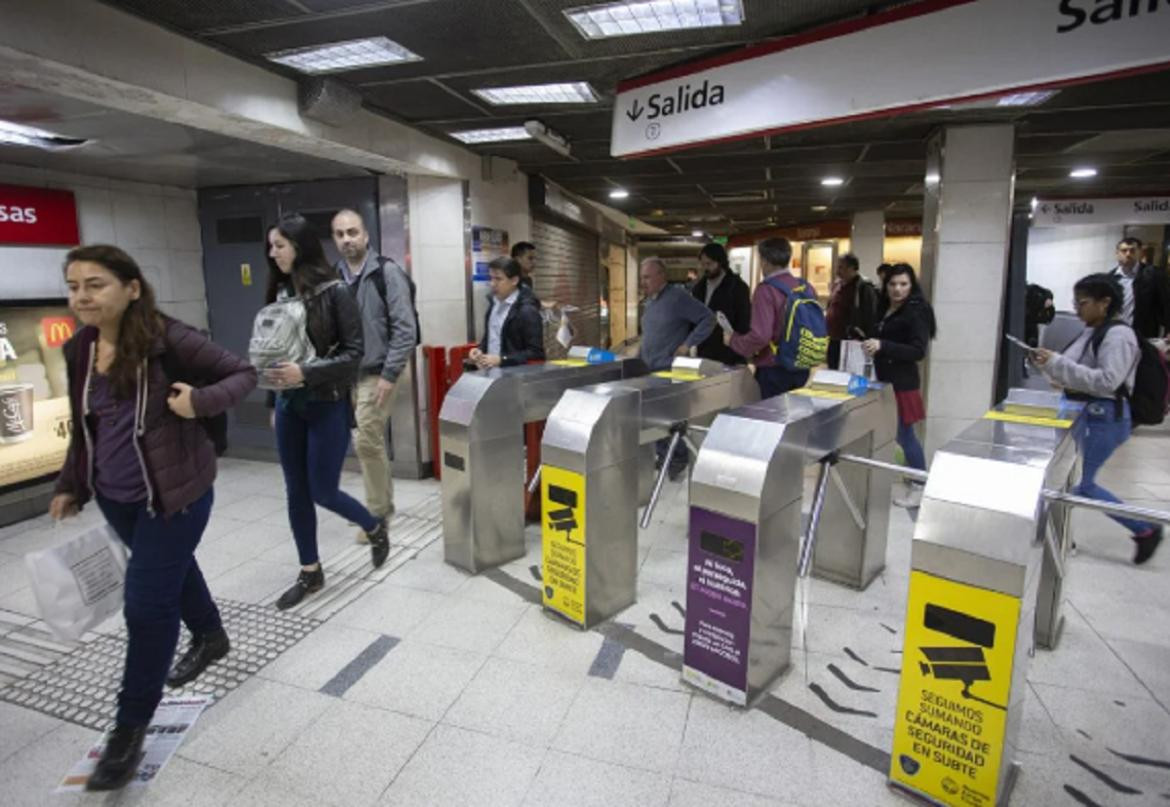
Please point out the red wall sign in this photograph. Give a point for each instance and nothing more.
(38, 216)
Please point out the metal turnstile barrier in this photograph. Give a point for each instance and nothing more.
(988, 564)
(595, 468)
(481, 439)
(746, 544)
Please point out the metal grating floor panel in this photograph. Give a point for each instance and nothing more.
(81, 686)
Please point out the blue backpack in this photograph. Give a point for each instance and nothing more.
(804, 334)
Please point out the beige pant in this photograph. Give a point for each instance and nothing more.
(369, 442)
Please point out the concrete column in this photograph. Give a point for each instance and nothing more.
(965, 237)
(867, 240)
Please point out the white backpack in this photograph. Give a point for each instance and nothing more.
(280, 334)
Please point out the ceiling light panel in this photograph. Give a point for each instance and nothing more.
(349, 55)
(492, 135)
(578, 92)
(633, 17)
(1025, 98)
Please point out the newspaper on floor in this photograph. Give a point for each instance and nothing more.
(172, 720)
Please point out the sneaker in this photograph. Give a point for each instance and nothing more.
(119, 759)
(1147, 544)
(911, 498)
(363, 537)
(202, 652)
(379, 539)
(307, 583)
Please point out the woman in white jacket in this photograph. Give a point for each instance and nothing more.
(1099, 368)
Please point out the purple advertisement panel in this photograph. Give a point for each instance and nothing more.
(720, 564)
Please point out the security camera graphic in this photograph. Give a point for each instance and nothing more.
(965, 664)
(562, 519)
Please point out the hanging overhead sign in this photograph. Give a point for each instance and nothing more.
(1136, 210)
(917, 56)
(37, 216)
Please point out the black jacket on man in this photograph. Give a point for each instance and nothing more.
(1151, 301)
(733, 297)
(522, 334)
(904, 334)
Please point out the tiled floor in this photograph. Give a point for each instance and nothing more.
(478, 698)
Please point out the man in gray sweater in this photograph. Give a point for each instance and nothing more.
(389, 329)
(673, 323)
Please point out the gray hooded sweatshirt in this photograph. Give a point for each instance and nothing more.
(1100, 373)
(388, 325)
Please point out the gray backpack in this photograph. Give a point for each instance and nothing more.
(280, 334)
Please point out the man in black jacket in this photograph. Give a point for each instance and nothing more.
(1147, 292)
(724, 292)
(513, 331)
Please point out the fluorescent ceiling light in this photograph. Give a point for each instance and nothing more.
(832, 182)
(932, 178)
(577, 92)
(619, 193)
(820, 208)
(348, 55)
(631, 17)
(1083, 173)
(696, 233)
(16, 134)
(1025, 98)
(492, 135)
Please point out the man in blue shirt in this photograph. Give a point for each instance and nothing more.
(673, 324)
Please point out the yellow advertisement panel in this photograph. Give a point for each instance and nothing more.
(954, 691)
(562, 531)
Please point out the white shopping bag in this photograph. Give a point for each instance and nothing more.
(853, 358)
(78, 584)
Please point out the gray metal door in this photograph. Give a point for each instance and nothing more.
(234, 223)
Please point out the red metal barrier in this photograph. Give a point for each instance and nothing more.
(444, 366)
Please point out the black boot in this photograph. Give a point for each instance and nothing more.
(119, 760)
(203, 650)
(1147, 543)
(307, 583)
(379, 543)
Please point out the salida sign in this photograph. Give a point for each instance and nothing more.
(1118, 210)
(37, 216)
(812, 79)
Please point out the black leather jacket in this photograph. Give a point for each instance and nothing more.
(335, 329)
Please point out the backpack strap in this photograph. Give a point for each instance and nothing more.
(1122, 393)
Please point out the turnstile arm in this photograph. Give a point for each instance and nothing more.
(804, 561)
(661, 480)
(534, 483)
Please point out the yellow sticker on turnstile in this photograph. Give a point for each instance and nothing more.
(679, 375)
(1029, 420)
(562, 542)
(567, 362)
(821, 393)
(956, 685)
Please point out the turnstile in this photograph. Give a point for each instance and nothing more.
(590, 460)
(980, 580)
(745, 529)
(481, 440)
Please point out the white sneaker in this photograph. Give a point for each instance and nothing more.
(911, 498)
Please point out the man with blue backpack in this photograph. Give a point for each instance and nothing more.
(788, 335)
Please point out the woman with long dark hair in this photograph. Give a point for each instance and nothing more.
(1099, 368)
(314, 416)
(139, 450)
(904, 330)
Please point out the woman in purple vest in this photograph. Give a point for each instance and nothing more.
(138, 449)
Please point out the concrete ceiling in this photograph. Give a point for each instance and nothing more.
(137, 148)
(1118, 126)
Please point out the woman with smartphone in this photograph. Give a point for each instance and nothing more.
(1099, 368)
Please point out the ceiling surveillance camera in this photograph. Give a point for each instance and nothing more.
(553, 140)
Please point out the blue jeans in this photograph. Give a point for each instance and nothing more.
(163, 585)
(312, 441)
(911, 448)
(775, 380)
(1104, 432)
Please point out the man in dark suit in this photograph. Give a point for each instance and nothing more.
(1147, 291)
(723, 291)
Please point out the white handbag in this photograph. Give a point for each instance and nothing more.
(854, 360)
(79, 584)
